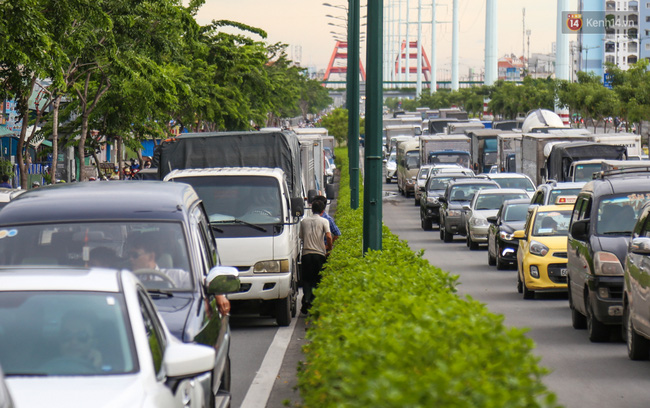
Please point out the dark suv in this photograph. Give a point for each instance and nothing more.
(457, 195)
(601, 225)
(430, 199)
(108, 224)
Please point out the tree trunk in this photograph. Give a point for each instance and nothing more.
(23, 108)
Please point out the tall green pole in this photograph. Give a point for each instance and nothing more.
(352, 100)
(372, 192)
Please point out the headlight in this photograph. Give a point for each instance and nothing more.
(537, 248)
(606, 263)
(432, 200)
(478, 222)
(506, 236)
(271, 266)
(454, 213)
(409, 182)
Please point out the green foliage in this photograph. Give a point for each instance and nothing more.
(388, 330)
(6, 168)
(336, 123)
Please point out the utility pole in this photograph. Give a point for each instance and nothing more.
(523, 32)
(372, 193)
(352, 100)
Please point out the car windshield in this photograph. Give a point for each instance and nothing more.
(515, 212)
(58, 333)
(253, 199)
(392, 158)
(515, 182)
(461, 159)
(424, 173)
(494, 201)
(412, 159)
(585, 172)
(617, 214)
(552, 223)
(465, 192)
(157, 251)
(555, 193)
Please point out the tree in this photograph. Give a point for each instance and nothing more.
(336, 123)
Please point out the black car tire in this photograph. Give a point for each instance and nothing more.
(472, 245)
(491, 260)
(501, 264)
(426, 224)
(520, 284)
(598, 332)
(638, 347)
(283, 311)
(447, 237)
(528, 294)
(442, 232)
(417, 202)
(226, 378)
(578, 320)
(387, 180)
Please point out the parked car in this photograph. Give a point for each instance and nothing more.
(603, 219)
(513, 180)
(430, 201)
(502, 247)
(94, 338)
(484, 204)
(421, 179)
(636, 304)
(547, 193)
(79, 224)
(457, 195)
(542, 251)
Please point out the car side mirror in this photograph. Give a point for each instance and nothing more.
(580, 229)
(521, 234)
(222, 279)
(385, 160)
(297, 206)
(640, 246)
(492, 219)
(442, 199)
(186, 359)
(467, 207)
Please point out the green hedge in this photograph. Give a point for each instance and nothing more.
(388, 330)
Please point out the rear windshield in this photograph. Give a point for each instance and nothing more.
(465, 192)
(522, 183)
(585, 172)
(552, 223)
(494, 201)
(554, 194)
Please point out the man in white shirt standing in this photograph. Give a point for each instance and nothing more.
(316, 243)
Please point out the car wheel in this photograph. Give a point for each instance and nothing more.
(283, 311)
(520, 284)
(294, 299)
(387, 180)
(447, 236)
(638, 347)
(442, 232)
(528, 294)
(578, 320)
(491, 260)
(226, 378)
(417, 202)
(598, 332)
(472, 245)
(501, 264)
(426, 224)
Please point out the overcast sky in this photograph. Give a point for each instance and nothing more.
(303, 24)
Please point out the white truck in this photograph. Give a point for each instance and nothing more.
(629, 140)
(444, 148)
(251, 186)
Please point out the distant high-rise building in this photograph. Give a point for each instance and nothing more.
(618, 43)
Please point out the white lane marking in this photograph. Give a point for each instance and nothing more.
(260, 390)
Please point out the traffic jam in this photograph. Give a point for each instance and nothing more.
(565, 208)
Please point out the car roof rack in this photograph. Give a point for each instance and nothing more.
(603, 174)
(551, 182)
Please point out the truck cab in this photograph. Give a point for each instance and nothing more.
(256, 223)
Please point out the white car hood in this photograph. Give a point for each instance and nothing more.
(114, 391)
(484, 213)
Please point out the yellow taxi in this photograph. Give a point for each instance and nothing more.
(542, 251)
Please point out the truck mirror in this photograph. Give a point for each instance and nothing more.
(330, 191)
(297, 206)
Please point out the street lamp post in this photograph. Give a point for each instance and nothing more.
(352, 98)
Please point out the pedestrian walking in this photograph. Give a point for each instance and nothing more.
(334, 229)
(316, 243)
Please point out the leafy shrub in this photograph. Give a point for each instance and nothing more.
(388, 330)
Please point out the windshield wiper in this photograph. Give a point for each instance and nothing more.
(160, 292)
(238, 221)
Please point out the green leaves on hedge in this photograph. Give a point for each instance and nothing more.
(388, 330)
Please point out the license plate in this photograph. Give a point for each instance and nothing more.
(563, 272)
